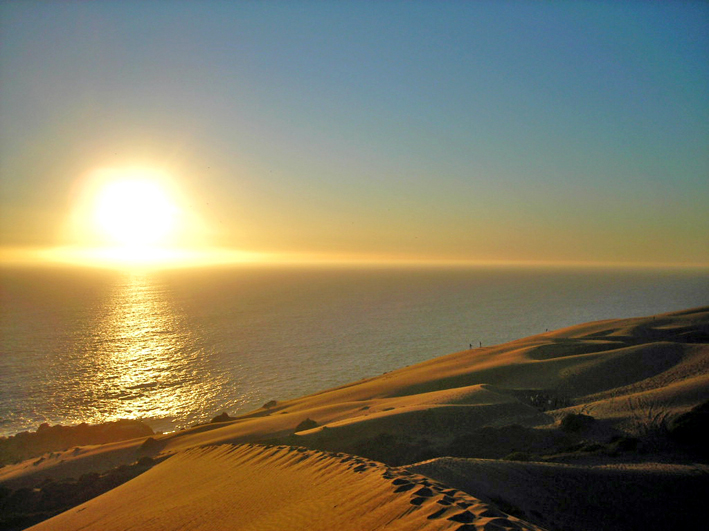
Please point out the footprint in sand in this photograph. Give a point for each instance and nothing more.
(439, 513)
(404, 488)
(465, 517)
(424, 492)
(446, 500)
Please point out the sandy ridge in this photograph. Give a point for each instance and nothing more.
(637, 496)
(254, 487)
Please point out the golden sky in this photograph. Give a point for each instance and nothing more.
(472, 132)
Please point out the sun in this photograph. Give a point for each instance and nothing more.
(135, 211)
(136, 217)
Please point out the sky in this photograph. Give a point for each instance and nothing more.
(477, 131)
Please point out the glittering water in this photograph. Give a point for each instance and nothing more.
(176, 347)
(147, 360)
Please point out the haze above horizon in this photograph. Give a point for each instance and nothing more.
(426, 132)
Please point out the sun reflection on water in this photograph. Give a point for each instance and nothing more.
(149, 364)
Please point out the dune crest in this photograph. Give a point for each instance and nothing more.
(253, 487)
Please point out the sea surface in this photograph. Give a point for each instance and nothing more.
(177, 347)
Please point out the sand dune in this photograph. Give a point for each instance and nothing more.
(645, 497)
(630, 378)
(260, 488)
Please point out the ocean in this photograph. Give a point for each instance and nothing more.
(176, 347)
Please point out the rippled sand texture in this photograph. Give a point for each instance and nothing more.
(252, 487)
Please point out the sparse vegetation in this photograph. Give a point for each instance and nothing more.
(576, 422)
(24, 507)
(307, 424)
(151, 446)
(48, 438)
(543, 400)
(650, 417)
(622, 443)
(691, 427)
(224, 417)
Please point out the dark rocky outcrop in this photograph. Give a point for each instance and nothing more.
(57, 438)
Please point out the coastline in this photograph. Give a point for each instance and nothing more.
(232, 339)
(627, 395)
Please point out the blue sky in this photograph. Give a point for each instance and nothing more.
(492, 131)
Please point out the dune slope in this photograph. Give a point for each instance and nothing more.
(251, 487)
(621, 403)
(640, 496)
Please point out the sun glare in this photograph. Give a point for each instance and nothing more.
(127, 216)
(135, 212)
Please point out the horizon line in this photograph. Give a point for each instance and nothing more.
(177, 258)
